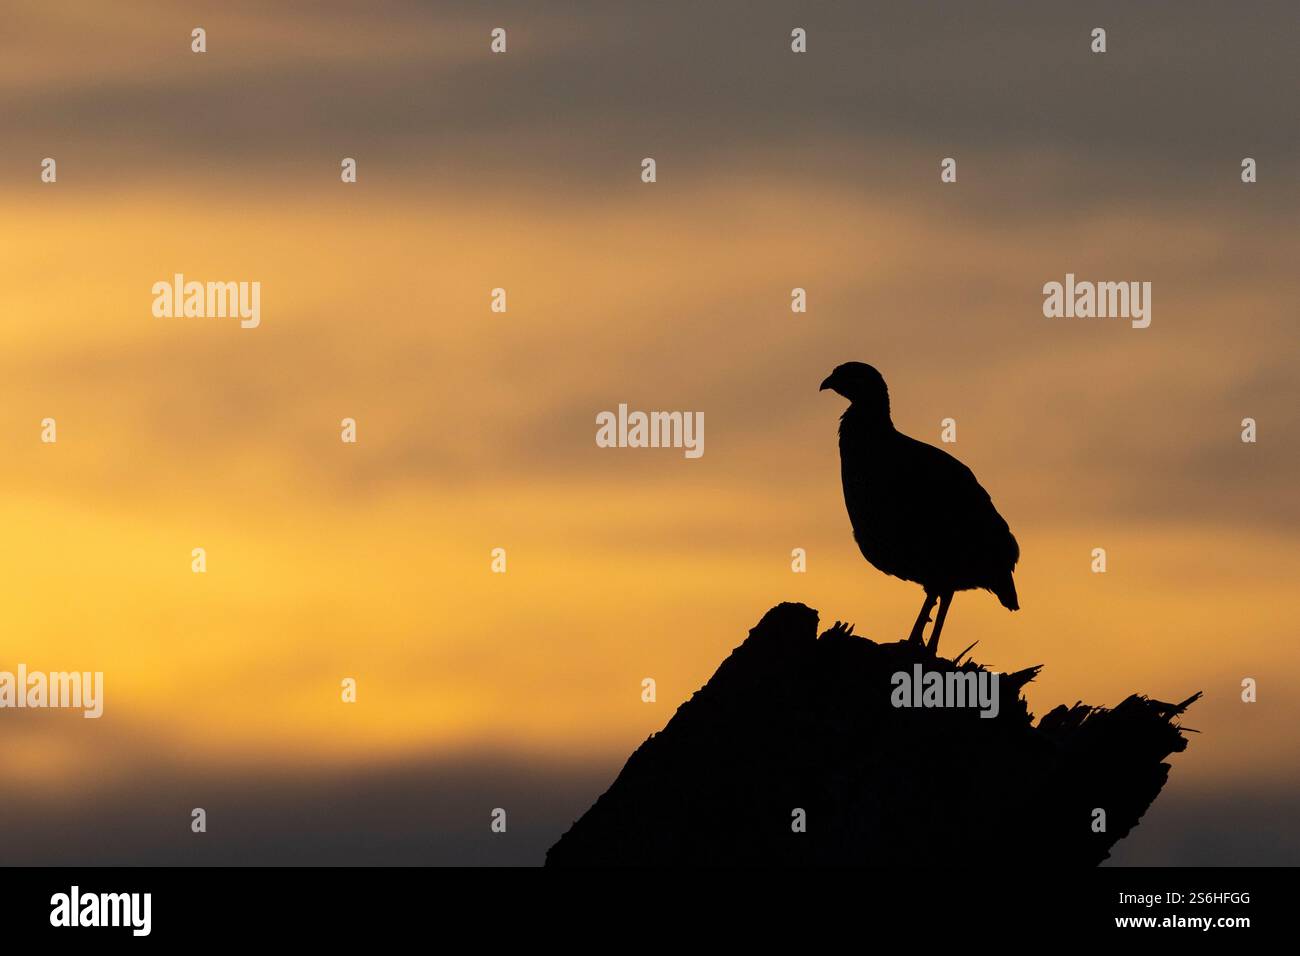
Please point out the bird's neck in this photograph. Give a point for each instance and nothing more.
(866, 421)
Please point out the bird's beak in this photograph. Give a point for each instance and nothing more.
(826, 383)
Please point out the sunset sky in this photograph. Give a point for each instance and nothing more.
(476, 430)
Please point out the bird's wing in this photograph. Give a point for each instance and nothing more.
(962, 511)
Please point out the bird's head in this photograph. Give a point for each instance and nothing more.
(861, 384)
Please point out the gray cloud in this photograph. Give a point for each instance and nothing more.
(1182, 94)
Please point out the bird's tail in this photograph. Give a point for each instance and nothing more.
(1006, 592)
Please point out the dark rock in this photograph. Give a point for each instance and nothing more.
(793, 721)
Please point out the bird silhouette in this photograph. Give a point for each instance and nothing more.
(917, 512)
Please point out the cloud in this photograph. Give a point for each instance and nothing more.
(411, 87)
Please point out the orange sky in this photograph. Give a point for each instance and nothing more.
(477, 430)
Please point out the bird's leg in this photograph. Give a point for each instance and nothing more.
(944, 600)
(923, 618)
